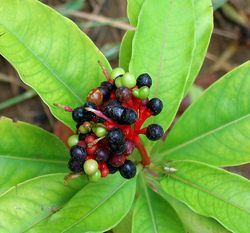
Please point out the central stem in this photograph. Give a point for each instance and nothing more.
(144, 154)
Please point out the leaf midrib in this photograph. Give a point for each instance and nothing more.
(33, 159)
(200, 137)
(149, 205)
(208, 192)
(94, 209)
(41, 61)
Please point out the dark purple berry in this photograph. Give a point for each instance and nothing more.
(154, 132)
(155, 105)
(144, 80)
(130, 146)
(128, 169)
(117, 160)
(123, 94)
(83, 136)
(78, 153)
(102, 154)
(75, 165)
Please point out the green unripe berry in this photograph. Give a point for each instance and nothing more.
(100, 131)
(95, 177)
(118, 82)
(128, 80)
(144, 92)
(136, 92)
(73, 140)
(117, 72)
(90, 167)
(83, 130)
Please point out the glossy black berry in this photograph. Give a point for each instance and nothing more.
(144, 80)
(128, 169)
(112, 170)
(116, 113)
(115, 136)
(108, 108)
(75, 165)
(80, 114)
(109, 85)
(117, 149)
(78, 153)
(154, 132)
(129, 117)
(155, 105)
(89, 114)
(105, 92)
(102, 154)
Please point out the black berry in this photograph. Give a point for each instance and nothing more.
(105, 92)
(115, 136)
(144, 80)
(154, 132)
(128, 169)
(117, 149)
(155, 105)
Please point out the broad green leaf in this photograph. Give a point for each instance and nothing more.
(204, 26)
(133, 11)
(126, 50)
(152, 213)
(30, 202)
(160, 49)
(27, 151)
(125, 226)
(96, 208)
(193, 223)
(212, 192)
(216, 128)
(50, 53)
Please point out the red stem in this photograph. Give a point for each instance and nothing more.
(144, 154)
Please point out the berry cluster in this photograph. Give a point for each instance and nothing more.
(109, 124)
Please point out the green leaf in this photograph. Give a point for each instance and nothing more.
(204, 27)
(125, 226)
(126, 50)
(50, 53)
(213, 192)
(215, 129)
(27, 151)
(193, 222)
(30, 202)
(96, 208)
(133, 11)
(160, 48)
(154, 214)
